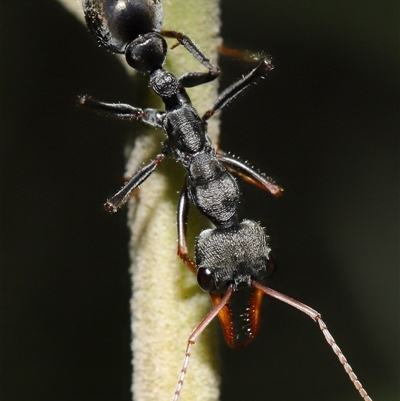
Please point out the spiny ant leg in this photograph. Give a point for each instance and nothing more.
(124, 111)
(118, 110)
(191, 79)
(120, 198)
(193, 49)
(316, 316)
(193, 338)
(242, 55)
(232, 91)
(250, 175)
(183, 212)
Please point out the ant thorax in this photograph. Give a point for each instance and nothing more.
(213, 191)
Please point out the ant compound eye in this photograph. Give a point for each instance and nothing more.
(206, 280)
(271, 264)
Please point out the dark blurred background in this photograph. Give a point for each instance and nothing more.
(325, 125)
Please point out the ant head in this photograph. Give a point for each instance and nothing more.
(164, 83)
(233, 256)
(116, 23)
(147, 53)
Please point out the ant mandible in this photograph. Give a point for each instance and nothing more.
(234, 257)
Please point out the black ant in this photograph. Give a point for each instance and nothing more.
(232, 260)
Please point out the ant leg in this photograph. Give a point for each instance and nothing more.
(250, 175)
(124, 111)
(317, 318)
(191, 79)
(195, 334)
(120, 198)
(183, 212)
(242, 55)
(232, 91)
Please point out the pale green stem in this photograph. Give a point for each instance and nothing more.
(166, 303)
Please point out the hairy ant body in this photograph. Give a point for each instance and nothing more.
(232, 260)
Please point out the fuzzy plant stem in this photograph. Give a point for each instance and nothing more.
(166, 302)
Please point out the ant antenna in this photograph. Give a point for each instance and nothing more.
(193, 338)
(316, 316)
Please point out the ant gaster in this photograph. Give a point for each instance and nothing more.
(232, 260)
